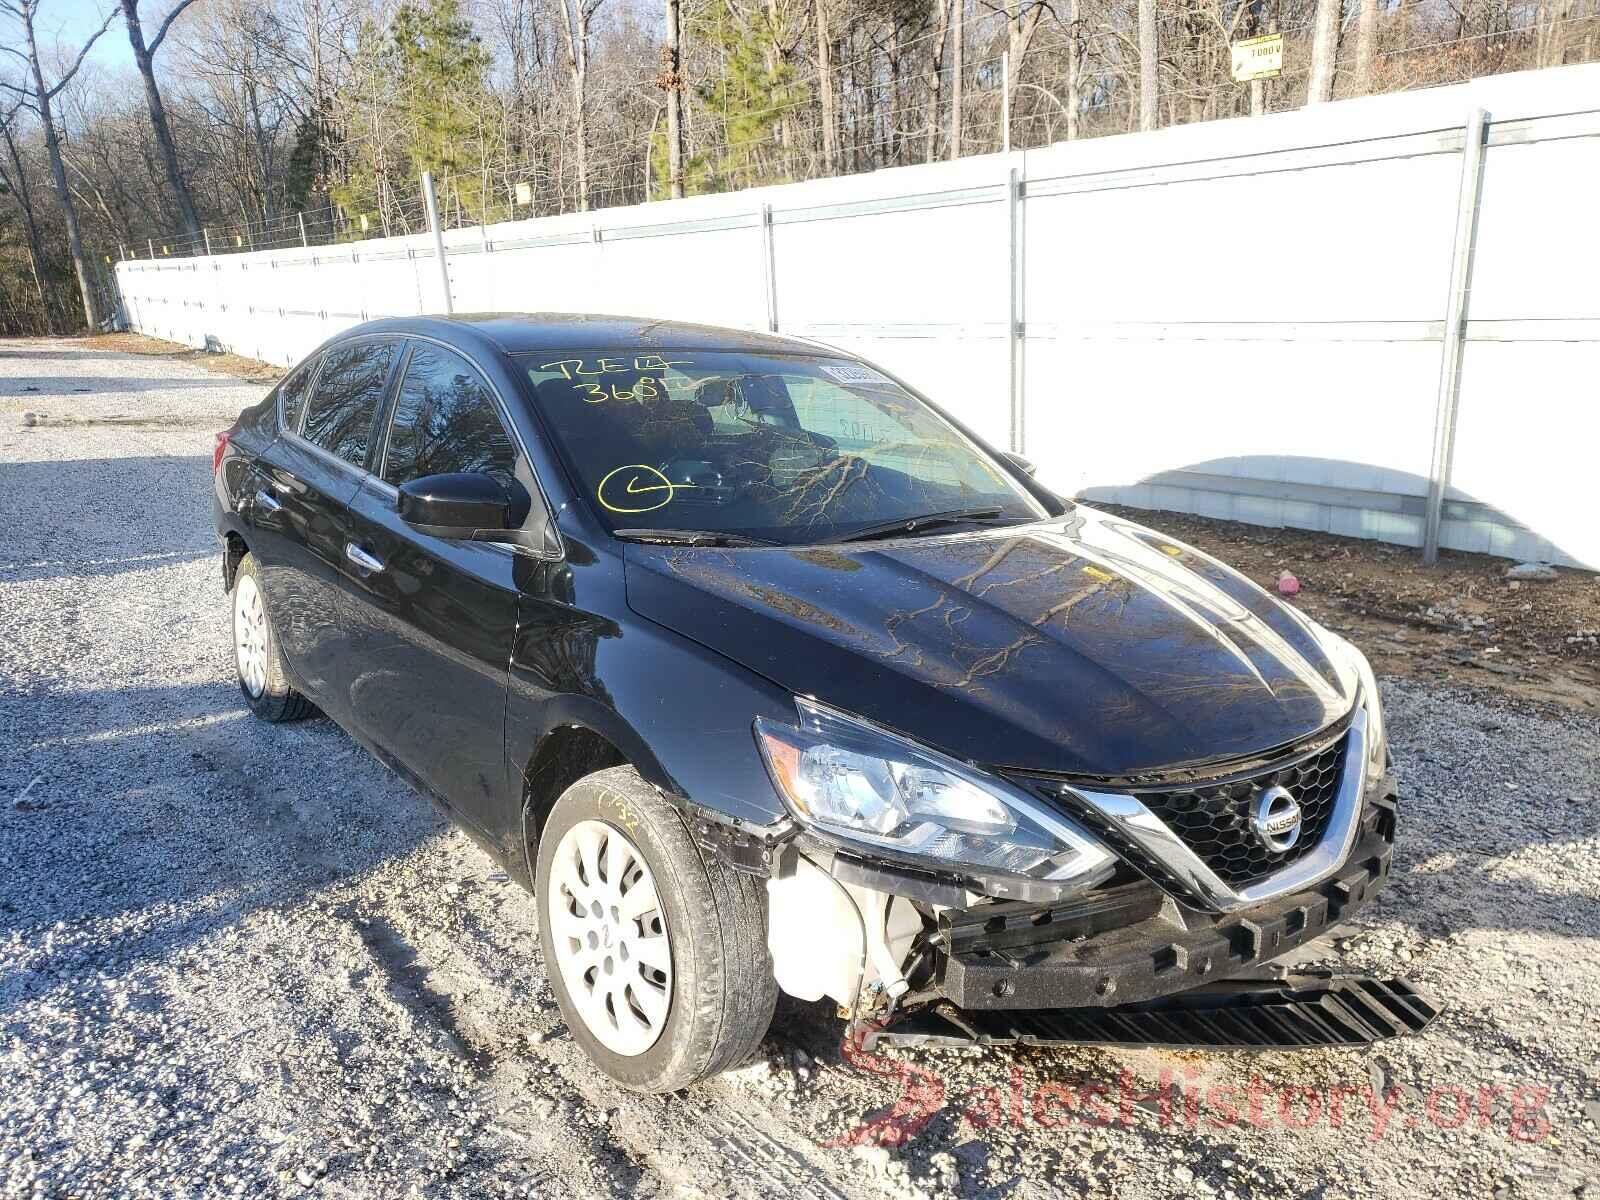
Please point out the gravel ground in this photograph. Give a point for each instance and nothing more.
(245, 960)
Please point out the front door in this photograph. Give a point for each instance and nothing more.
(435, 618)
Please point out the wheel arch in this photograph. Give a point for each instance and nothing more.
(564, 755)
(234, 548)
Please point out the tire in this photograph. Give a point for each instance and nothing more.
(718, 984)
(257, 658)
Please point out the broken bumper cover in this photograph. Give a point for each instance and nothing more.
(1123, 947)
(1294, 1012)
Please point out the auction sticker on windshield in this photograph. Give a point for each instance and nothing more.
(854, 373)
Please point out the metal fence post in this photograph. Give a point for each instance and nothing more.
(432, 203)
(1455, 329)
(1005, 102)
(206, 233)
(769, 268)
(1016, 326)
(301, 214)
(151, 242)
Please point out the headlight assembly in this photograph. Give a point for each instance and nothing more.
(860, 784)
(1377, 740)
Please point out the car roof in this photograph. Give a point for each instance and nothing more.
(517, 333)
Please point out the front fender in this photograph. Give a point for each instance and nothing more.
(679, 713)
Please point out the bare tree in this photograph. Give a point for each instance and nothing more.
(15, 182)
(957, 72)
(39, 96)
(825, 86)
(144, 58)
(671, 82)
(1022, 22)
(1366, 45)
(1149, 79)
(932, 81)
(1071, 62)
(1554, 16)
(1324, 51)
(577, 16)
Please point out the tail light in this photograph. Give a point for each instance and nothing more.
(219, 449)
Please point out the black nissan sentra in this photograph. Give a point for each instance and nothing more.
(762, 672)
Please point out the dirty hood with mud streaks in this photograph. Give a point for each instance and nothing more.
(1085, 644)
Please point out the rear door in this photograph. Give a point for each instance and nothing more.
(301, 508)
(436, 617)
(274, 538)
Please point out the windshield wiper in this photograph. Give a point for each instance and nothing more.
(954, 516)
(689, 537)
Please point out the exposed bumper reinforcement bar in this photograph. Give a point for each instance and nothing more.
(1145, 961)
(1295, 1012)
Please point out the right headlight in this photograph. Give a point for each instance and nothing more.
(1377, 736)
(844, 777)
(1377, 740)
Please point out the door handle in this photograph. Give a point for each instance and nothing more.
(361, 558)
(267, 500)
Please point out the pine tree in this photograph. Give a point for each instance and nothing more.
(748, 102)
(415, 108)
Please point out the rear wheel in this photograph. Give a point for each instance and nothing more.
(658, 957)
(256, 655)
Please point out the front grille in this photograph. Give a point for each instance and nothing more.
(1213, 819)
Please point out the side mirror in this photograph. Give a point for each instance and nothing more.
(1020, 463)
(469, 505)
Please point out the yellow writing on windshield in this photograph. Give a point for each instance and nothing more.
(572, 368)
(637, 489)
(643, 389)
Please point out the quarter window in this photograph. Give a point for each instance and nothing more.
(292, 394)
(346, 398)
(444, 421)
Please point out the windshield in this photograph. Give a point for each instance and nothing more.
(784, 448)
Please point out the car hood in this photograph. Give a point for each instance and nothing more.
(1084, 645)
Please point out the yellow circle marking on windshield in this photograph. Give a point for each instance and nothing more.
(641, 489)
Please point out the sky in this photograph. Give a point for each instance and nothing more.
(72, 21)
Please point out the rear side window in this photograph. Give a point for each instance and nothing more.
(444, 420)
(346, 398)
(292, 394)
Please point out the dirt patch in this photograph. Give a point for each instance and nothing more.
(234, 365)
(1461, 620)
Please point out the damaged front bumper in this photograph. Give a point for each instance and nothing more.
(1128, 966)
(915, 957)
(1132, 943)
(1136, 943)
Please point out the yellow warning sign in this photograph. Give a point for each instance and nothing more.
(1258, 58)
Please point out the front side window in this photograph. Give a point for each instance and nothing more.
(444, 421)
(292, 394)
(346, 398)
(787, 448)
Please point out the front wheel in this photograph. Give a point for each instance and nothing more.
(658, 957)
(256, 654)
